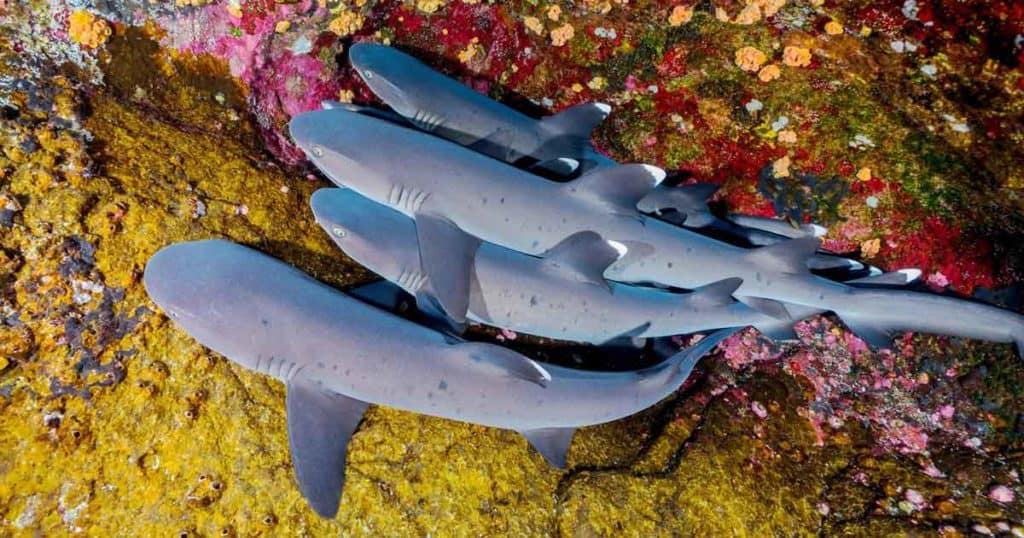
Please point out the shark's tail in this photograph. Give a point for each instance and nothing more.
(686, 359)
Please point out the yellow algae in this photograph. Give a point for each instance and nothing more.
(794, 56)
(769, 73)
(870, 248)
(346, 23)
(749, 15)
(864, 174)
(597, 83)
(429, 6)
(787, 136)
(554, 12)
(780, 168)
(833, 28)
(561, 35)
(87, 29)
(534, 25)
(750, 59)
(680, 15)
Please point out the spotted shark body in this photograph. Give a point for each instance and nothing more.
(501, 204)
(337, 355)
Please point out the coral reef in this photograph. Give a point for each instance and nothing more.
(125, 126)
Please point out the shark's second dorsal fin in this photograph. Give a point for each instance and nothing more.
(582, 257)
(618, 187)
(579, 120)
(500, 361)
(903, 277)
(714, 294)
(552, 443)
(686, 199)
(786, 257)
(320, 425)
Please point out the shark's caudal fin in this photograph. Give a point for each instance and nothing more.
(786, 257)
(582, 257)
(320, 425)
(690, 201)
(500, 362)
(579, 120)
(617, 188)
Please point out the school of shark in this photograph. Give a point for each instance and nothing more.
(484, 215)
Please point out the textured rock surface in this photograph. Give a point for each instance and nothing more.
(114, 422)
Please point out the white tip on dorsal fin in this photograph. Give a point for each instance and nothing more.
(899, 278)
(582, 257)
(815, 230)
(715, 294)
(579, 120)
(786, 257)
(617, 187)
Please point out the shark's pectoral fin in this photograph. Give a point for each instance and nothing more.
(690, 200)
(560, 167)
(717, 293)
(552, 443)
(579, 120)
(618, 188)
(320, 425)
(446, 256)
(876, 336)
(903, 277)
(382, 294)
(499, 361)
(582, 257)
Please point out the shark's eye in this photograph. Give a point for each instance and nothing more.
(318, 151)
(339, 232)
(368, 74)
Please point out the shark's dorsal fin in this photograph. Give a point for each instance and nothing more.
(902, 277)
(552, 443)
(714, 294)
(320, 425)
(500, 361)
(446, 257)
(579, 120)
(618, 187)
(786, 257)
(582, 257)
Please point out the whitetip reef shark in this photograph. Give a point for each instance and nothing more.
(561, 143)
(337, 355)
(439, 181)
(562, 295)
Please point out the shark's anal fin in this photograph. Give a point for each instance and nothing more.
(579, 120)
(552, 443)
(500, 361)
(320, 425)
(786, 257)
(582, 257)
(446, 256)
(768, 307)
(618, 188)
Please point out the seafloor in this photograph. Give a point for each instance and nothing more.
(128, 125)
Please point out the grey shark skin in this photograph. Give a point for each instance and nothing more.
(562, 295)
(438, 104)
(517, 210)
(336, 355)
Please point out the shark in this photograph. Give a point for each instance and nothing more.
(337, 355)
(562, 295)
(558, 144)
(437, 181)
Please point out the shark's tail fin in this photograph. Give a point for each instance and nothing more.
(686, 359)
